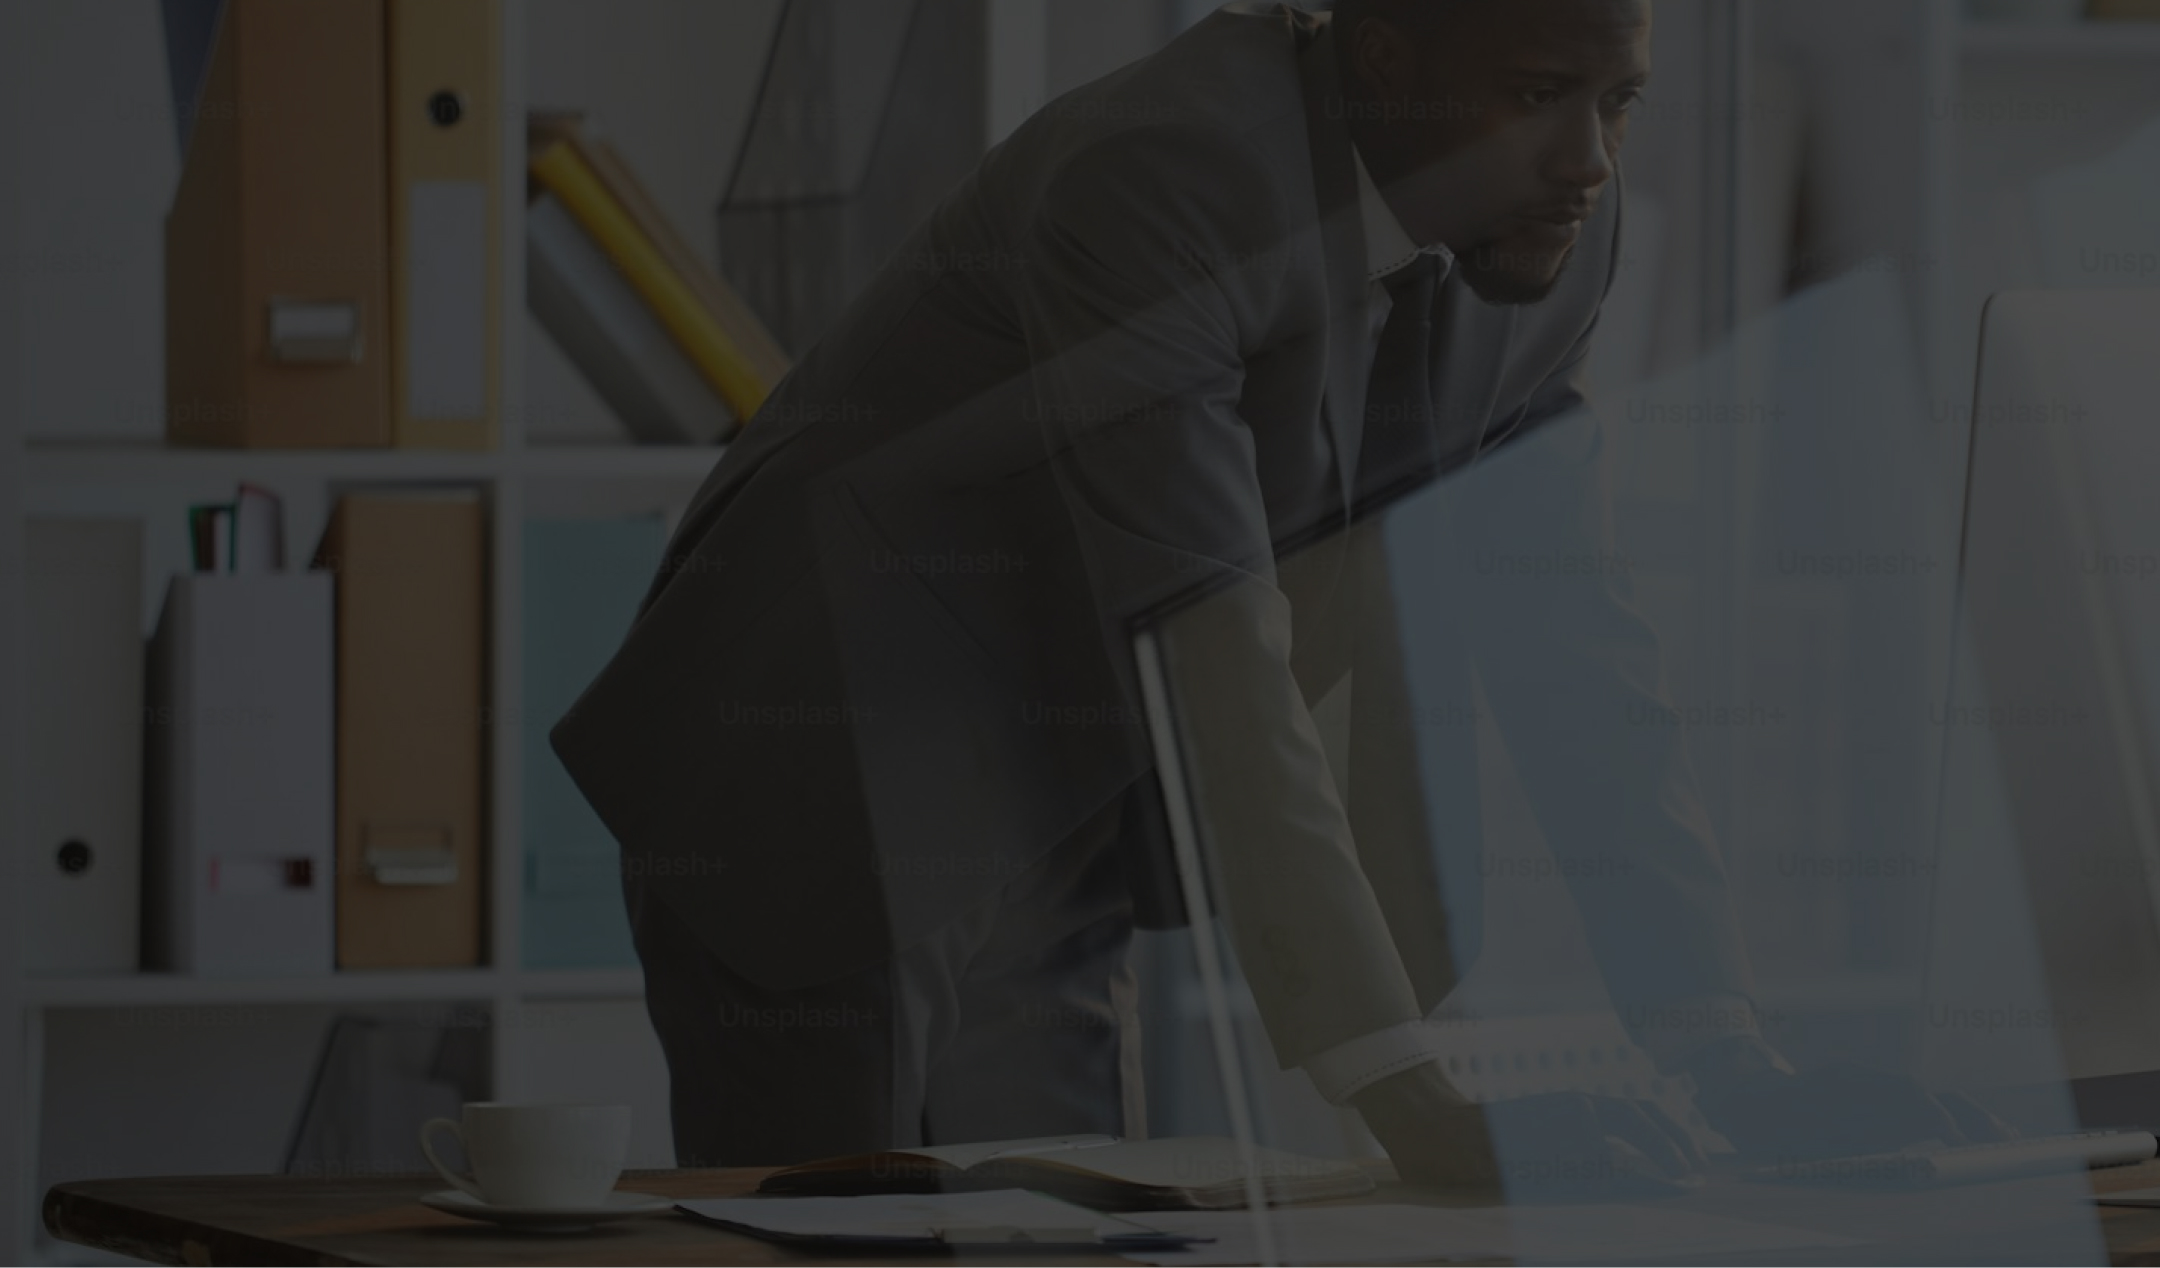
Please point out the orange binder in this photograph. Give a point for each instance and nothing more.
(445, 137)
(276, 246)
(412, 577)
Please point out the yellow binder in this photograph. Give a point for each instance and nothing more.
(737, 320)
(445, 138)
(563, 173)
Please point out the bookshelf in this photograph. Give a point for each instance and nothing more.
(53, 460)
(47, 473)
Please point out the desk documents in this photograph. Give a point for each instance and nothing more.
(1399, 1234)
(1173, 1173)
(1008, 1218)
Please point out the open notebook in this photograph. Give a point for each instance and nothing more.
(1179, 1172)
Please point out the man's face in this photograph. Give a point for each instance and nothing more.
(1498, 126)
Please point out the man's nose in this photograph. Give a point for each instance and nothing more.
(1583, 153)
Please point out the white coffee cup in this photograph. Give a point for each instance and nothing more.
(536, 1156)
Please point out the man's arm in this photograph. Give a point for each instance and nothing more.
(1152, 270)
(1522, 584)
(1574, 676)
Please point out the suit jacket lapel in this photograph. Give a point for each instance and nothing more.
(1343, 239)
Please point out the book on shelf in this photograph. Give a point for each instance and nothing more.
(445, 178)
(741, 323)
(276, 244)
(411, 584)
(1173, 1172)
(591, 312)
(210, 536)
(333, 273)
(82, 864)
(246, 534)
(725, 344)
(238, 776)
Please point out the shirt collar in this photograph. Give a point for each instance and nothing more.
(1388, 246)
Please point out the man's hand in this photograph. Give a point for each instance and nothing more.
(1558, 1145)
(1771, 1113)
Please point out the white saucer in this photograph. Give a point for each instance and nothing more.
(548, 1219)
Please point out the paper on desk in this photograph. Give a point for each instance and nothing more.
(912, 1216)
(2129, 1197)
(1406, 1234)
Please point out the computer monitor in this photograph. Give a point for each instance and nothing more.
(2049, 752)
(1484, 543)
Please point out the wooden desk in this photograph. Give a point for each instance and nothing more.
(278, 1220)
(379, 1220)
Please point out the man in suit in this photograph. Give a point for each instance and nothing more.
(874, 749)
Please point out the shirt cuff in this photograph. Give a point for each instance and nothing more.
(1344, 1070)
(1671, 1033)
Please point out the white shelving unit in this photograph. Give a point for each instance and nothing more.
(43, 472)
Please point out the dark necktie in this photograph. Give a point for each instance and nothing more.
(1401, 447)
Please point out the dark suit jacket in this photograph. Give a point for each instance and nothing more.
(886, 666)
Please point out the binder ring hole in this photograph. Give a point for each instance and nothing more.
(74, 857)
(446, 108)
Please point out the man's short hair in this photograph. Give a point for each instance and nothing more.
(1416, 16)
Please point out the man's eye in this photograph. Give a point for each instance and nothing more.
(1622, 102)
(1542, 97)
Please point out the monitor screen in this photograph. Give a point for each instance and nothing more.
(1462, 830)
(2049, 723)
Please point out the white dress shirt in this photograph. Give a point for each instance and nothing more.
(1389, 248)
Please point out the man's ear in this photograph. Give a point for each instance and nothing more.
(1383, 59)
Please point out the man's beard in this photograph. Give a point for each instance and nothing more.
(1496, 276)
